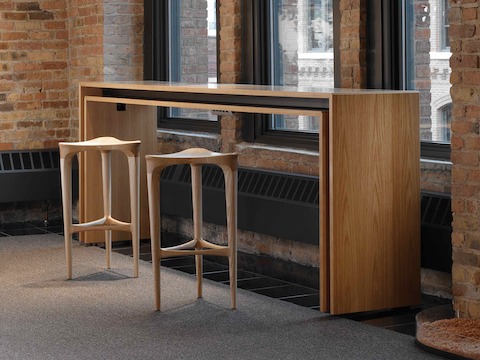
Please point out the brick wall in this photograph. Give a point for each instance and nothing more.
(230, 64)
(85, 24)
(34, 108)
(123, 40)
(46, 48)
(105, 43)
(465, 62)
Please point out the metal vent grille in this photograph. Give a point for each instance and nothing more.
(436, 209)
(29, 160)
(268, 202)
(279, 186)
(264, 184)
(168, 173)
(30, 175)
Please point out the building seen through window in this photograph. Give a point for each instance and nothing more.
(428, 62)
(192, 48)
(300, 47)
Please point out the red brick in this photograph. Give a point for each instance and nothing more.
(15, 16)
(469, 13)
(465, 158)
(6, 107)
(40, 15)
(28, 6)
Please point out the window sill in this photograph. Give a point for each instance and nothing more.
(244, 146)
(189, 138)
(426, 161)
(167, 132)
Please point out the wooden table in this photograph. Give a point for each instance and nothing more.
(369, 157)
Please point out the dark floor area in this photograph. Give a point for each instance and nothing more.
(264, 275)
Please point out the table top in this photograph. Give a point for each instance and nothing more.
(237, 89)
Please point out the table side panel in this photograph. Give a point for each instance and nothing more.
(135, 123)
(324, 222)
(374, 202)
(83, 92)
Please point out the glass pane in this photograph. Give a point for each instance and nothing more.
(302, 52)
(193, 48)
(428, 66)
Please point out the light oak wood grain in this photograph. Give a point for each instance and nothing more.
(105, 222)
(198, 246)
(374, 202)
(324, 221)
(138, 122)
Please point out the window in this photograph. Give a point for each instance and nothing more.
(303, 47)
(445, 25)
(407, 48)
(184, 49)
(319, 26)
(290, 43)
(430, 69)
(446, 121)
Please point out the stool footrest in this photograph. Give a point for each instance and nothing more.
(105, 223)
(195, 244)
(171, 253)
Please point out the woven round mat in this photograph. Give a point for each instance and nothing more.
(456, 336)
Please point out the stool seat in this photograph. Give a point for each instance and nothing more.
(105, 145)
(195, 157)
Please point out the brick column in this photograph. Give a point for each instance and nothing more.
(353, 55)
(105, 43)
(465, 79)
(230, 64)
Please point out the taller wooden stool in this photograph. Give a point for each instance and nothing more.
(195, 157)
(105, 145)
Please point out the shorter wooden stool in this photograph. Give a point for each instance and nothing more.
(105, 145)
(195, 157)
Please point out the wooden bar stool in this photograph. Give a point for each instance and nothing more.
(195, 157)
(105, 145)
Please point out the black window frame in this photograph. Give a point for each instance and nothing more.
(256, 64)
(387, 37)
(157, 38)
(445, 25)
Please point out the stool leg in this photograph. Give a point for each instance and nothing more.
(134, 176)
(66, 176)
(231, 206)
(197, 220)
(153, 183)
(107, 199)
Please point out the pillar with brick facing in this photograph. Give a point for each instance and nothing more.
(464, 20)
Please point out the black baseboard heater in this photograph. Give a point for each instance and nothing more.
(273, 203)
(32, 175)
(286, 205)
(436, 232)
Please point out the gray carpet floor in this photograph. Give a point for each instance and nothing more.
(104, 314)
